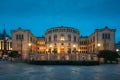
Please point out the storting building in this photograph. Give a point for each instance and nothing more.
(62, 41)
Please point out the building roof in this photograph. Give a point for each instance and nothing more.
(3, 34)
(62, 27)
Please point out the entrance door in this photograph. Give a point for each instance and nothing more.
(62, 50)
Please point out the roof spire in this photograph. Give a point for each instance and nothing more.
(4, 26)
(4, 31)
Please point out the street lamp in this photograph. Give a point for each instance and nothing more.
(50, 48)
(98, 46)
(29, 44)
(74, 46)
(117, 50)
(79, 50)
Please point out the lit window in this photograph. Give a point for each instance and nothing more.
(62, 37)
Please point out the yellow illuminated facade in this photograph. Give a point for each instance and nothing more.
(63, 40)
(41, 45)
(5, 43)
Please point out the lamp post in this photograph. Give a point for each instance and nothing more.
(21, 46)
(74, 48)
(50, 48)
(98, 45)
(29, 44)
(78, 50)
(74, 52)
(51, 52)
(117, 50)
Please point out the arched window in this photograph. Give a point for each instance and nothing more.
(45, 39)
(17, 37)
(55, 37)
(69, 37)
(62, 37)
(74, 38)
(49, 38)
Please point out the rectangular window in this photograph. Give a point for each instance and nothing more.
(31, 39)
(10, 44)
(103, 36)
(22, 36)
(108, 35)
(62, 38)
(17, 37)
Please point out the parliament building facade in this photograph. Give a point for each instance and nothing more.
(62, 40)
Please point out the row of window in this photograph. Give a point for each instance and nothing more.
(83, 51)
(69, 50)
(7, 45)
(106, 36)
(32, 39)
(62, 37)
(19, 37)
(83, 47)
(83, 42)
(41, 42)
(63, 30)
(92, 39)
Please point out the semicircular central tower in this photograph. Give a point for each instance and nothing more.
(62, 40)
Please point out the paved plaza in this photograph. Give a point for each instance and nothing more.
(22, 71)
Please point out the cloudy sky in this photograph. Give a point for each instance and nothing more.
(39, 15)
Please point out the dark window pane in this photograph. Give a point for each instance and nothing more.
(103, 36)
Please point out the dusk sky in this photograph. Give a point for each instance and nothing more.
(40, 15)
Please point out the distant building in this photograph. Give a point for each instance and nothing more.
(5, 43)
(63, 40)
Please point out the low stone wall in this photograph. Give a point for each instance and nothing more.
(86, 63)
(66, 57)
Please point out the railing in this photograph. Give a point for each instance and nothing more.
(71, 57)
